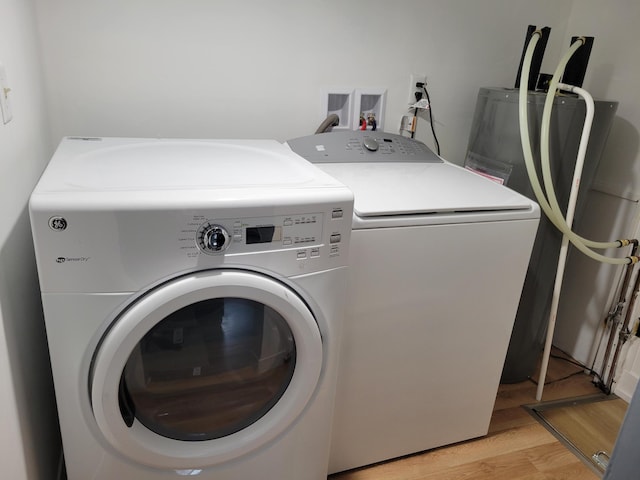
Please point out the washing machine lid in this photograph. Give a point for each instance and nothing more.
(406, 189)
(150, 165)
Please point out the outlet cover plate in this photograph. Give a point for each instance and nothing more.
(413, 79)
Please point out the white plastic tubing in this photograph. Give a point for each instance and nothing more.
(549, 202)
(547, 198)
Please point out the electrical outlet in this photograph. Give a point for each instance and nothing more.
(413, 79)
(5, 105)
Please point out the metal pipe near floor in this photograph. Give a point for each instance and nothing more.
(616, 311)
(624, 333)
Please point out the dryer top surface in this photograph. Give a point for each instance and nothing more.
(128, 164)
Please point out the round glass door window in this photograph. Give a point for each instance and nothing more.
(208, 370)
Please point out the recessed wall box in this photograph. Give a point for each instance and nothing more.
(369, 108)
(338, 101)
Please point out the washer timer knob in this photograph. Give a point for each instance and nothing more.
(213, 238)
(371, 144)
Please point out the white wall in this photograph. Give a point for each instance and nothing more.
(29, 438)
(216, 69)
(614, 74)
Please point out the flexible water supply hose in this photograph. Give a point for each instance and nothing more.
(544, 139)
(554, 216)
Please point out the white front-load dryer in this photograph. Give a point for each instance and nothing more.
(193, 294)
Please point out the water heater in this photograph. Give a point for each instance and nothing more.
(495, 151)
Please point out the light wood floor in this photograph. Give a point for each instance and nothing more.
(516, 448)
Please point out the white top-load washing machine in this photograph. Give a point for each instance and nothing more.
(438, 257)
(193, 294)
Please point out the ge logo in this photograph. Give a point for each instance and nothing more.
(57, 223)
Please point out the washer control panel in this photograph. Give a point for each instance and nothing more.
(345, 146)
(216, 236)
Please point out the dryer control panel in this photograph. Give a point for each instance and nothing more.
(246, 235)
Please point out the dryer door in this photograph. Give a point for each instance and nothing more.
(204, 369)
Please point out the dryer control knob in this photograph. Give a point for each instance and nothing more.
(214, 239)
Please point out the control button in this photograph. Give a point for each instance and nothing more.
(335, 238)
(287, 222)
(337, 213)
(335, 250)
(315, 252)
(237, 237)
(302, 255)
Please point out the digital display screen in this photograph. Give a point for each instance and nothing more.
(265, 234)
